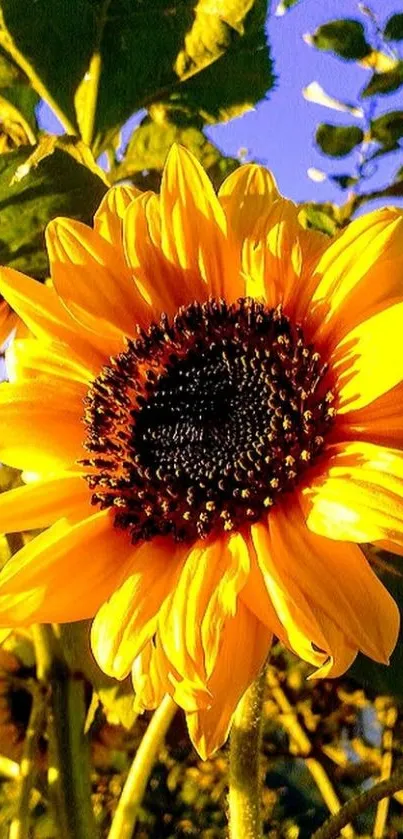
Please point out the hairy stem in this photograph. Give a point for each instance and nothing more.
(245, 820)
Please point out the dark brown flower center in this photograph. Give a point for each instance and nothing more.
(201, 423)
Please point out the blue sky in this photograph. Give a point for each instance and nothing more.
(279, 132)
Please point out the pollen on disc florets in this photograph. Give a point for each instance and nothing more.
(202, 422)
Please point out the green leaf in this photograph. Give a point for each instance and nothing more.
(320, 217)
(58, 186)
(151, 141)
(394, 28)
(338, 140)
(118, 702)
(10, 73)
(388, 129)
(346, 38)
(56, 38)
(384, 83)
(113, 57)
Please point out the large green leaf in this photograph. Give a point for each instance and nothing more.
(133, 53)
(56, 38)
(338, 140)
(151, 141)
(58, 186)
(18, 101)
(344, 37)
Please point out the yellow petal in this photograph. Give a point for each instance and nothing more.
(108, 219)
(341, 653)
(243, 651)
(92, 280)
(339, 580)
(149, 684)
(246, 196)
(379, 422)
(359, 274)
(163, 286)
(369, 360)
(359, 495)
(128, 620)
(40, 308)
(194, 227)
(64, 574)
(40, 425)
(277, 258)
(153, 676)
(30, 360)
(41, 503)
(191, 622)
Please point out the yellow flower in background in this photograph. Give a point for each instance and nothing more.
(8, 322)
(211, 411)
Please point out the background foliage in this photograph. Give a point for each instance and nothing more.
(181, 66)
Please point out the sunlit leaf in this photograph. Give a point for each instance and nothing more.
(346, 38)
(151, 141)
(388, 129)
(320, 217)
(338, 140)
(113, 57)
(394, 28)
(384, 83)
(58, 186)
(314, 92)
(18, 101)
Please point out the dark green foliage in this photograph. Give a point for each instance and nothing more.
(344, 37)
(384, 83)
(394, 28)
(338, 140)
(388, 129)
(58, 186)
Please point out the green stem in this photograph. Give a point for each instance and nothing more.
(349, 811)
(20, 825)
(88, 117)
(69, 766)
(125, 817)
(245, 820)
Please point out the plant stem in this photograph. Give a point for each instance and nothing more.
(69, 767)
(333, 826)
(125, 817)
(20, 827)
(245, 820)
(88, 116)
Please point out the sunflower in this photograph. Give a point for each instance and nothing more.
(210, 412)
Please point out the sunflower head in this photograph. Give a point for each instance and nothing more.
(210, 402)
